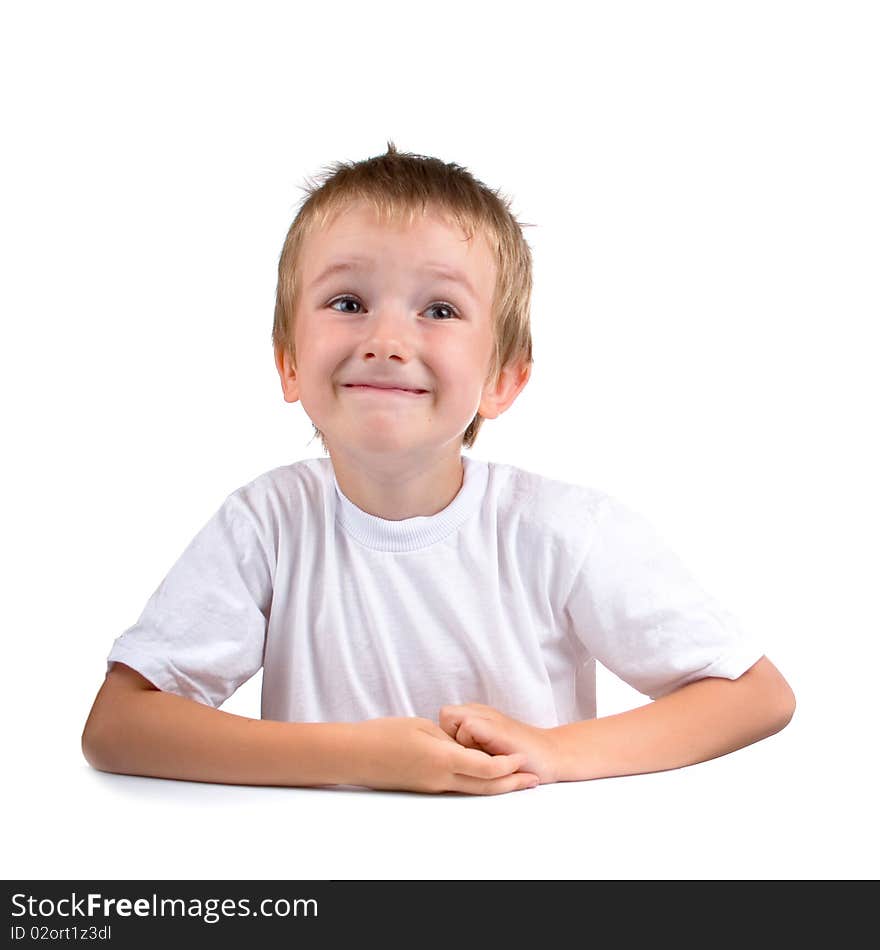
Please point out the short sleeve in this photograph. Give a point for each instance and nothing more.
(638, 611)
(202, 632)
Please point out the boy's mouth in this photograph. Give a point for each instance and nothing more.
(370, 387)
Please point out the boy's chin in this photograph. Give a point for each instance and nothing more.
(378, 445)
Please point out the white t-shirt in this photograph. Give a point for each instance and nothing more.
(508, 596)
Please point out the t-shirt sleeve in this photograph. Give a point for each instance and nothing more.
(202, 632)
(638, 611)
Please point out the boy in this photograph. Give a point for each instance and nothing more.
(425, 621)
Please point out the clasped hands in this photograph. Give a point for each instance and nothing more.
(476, 750)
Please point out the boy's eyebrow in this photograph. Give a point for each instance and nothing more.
(355, 264)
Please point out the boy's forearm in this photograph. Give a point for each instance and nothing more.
(160, 734)
(700, 721)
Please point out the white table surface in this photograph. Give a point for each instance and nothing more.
(801, 804)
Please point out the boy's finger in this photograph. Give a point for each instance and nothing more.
(449, 723)
(464, 737)
(454, 724)
(476, 764)
(495, 786)
(451, 717)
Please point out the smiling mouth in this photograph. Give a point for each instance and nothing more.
(386, 389)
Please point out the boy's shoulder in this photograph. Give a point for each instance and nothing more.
(550, 503)
(305, 474)
(280, 492)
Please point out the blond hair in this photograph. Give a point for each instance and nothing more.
(399, 186)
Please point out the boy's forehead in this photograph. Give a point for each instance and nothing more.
(357, 235)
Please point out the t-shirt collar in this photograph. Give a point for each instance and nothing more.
(421, 531)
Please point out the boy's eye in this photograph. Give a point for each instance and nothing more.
(438, 305)
(453, 313)
(344, 300)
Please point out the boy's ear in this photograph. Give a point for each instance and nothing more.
(499, 395)
(287, 373)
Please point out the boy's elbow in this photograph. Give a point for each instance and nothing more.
(92, 744)
(782, 703)
(97, 739)
(787, 706)
(102, 738)
(772, 694)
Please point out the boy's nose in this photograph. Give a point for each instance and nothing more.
(388, 335)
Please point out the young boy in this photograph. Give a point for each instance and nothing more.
(424, 620)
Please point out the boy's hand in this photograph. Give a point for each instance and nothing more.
(416, 755)
(476, 726)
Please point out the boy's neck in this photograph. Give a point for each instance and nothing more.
(400, 489)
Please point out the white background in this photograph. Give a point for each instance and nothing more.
(703, 182)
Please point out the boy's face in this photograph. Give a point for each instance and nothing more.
(391, 318)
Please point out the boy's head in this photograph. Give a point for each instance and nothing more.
(434, 295)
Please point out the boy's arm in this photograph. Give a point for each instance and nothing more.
(700, 721)
(136, 729)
